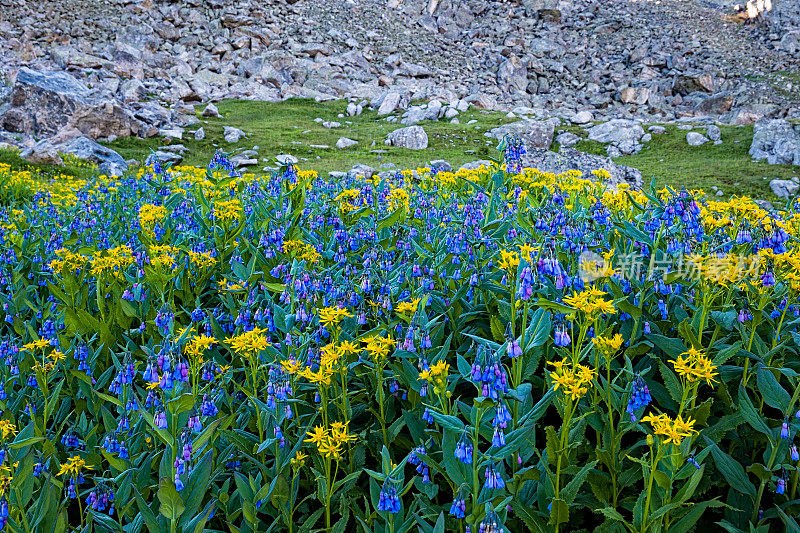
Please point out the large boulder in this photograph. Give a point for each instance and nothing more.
(42, 103)
(777, 141)
(42, 153)
(534, 133)
(685, 83)
(512, 75)
(108, 161)
(572, 159)
(412, 137)
(784, 188)
(616, 131)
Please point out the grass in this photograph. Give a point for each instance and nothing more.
(289, 127)
(670, 160)
(728, 165)
(71, 167)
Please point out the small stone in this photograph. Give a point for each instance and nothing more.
(211, 111)
(567, 139)
(344, 142)
(171, 133)
(200, 134)
(784, 188)
(696, 139)
(233, 135)
(713, 132)
(582, 117)
(42, 153)
(389, 104)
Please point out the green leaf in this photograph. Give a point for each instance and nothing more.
(774, 395)
(732, 471)
(559, 512)
(539, 329)
(171, 501)
(750, 415)
(570, 491)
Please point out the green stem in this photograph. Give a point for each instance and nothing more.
(653, 468)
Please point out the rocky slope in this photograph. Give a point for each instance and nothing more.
(141, 65)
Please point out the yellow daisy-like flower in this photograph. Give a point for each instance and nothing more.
(608, 345)
(671, 431)
(249, 342)
(572, 378)
(331, 316)
(693, 365)
(407, 308)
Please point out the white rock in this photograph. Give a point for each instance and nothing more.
(233, 135)
(344, 142)
(784, 188)
(582, 117)
(696, 139)
(412, 137)
(200, 134)
(389, 104)
(211, 111)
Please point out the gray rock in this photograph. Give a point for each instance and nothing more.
(330, 124)
(171, 133)
(634, 95)
(168, 157)
(233, 135)
(42, 103)
(472, 165)
(243, 160)
(108, 161)
(713, 132)
(567, 139)
(615, 131)
(42, 153)
(360, 170)
(434, 110)
(200, 134)
(628, 146)
(657, 130)
(286, 159)
(413, 115)
(777, 141)
(715, 104)
(572, 159)
(132, 90)
(389, 104)
(353, 109)
(582, 117)
(688, 83)
(442, 165)
(512, 75)
(211, 111)
(534, 133)
(696, 139)
(344, 142)
(784, 188)
(412, 137)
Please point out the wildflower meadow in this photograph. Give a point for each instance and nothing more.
(498, 349)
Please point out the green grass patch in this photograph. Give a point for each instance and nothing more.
(728, 166)
(289, 127)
